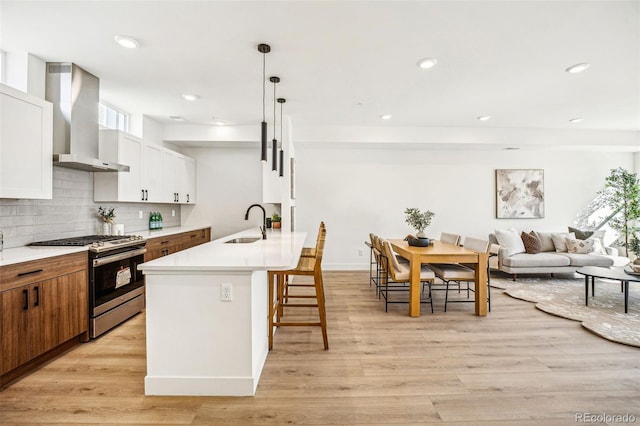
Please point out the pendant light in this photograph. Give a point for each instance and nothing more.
(281, 101)
(264, 49)
(274, 142)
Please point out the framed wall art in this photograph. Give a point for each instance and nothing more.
(519, 193)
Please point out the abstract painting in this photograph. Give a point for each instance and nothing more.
(519, 193)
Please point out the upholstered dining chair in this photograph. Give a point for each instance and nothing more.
(394, 277)
(455, 272)
(279, 295)
(448, 238)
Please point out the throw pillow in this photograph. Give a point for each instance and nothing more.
(532, 243)
(510, 240)
(598, 248)
(547, 242)
(559, 242)
(578, 246)
(581, 235)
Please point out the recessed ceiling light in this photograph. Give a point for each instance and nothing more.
(176, 117)
(386, 116)
(484, 117)
(574, 69)
(426, 63)
(575, 120)
(511, 148)
(190, 97)
(126, 41)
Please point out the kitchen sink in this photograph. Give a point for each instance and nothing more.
(243, 240)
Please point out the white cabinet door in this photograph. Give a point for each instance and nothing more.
(26, 145)
(123, 148)
(153, 174)
(174, 166)
(189, 183)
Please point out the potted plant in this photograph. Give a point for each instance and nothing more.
(419, 221)
(276, 220)
(622, 195)
(107, 215)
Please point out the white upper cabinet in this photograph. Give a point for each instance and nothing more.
(123, 148)
(156, 175)
(189, 182)
(153, 174)
(26, 145)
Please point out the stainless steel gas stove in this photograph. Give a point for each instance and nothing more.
(116, 287)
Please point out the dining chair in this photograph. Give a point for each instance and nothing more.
(279, 295)
(395, 276)
(456, 272)
(448, 238)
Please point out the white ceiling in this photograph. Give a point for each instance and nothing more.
(348, 62)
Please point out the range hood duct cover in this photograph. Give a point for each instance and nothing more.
(75, 95)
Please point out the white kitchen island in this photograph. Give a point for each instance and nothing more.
(197, 342)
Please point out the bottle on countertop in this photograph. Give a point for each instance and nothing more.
(160, 223)
(152, 221)
(1, 240)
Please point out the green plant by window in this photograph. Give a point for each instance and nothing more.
(418, 220)
(622, 194)
(275, 217)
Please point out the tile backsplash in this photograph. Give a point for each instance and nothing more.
(72, 212)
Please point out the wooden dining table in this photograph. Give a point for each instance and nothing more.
(439, 252)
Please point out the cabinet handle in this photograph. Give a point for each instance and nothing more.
(146, 195)
(142, 199)
(25, 306)
(187, 198)
(22, 274)
(165, 242)
(177, 197)
(36, 302)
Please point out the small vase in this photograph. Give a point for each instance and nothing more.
(421, 234)
(106, 228)
(276, 225)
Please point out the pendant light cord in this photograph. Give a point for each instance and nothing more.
(274, 110)
(264, 74)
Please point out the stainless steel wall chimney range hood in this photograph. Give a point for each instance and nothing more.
(75, 94)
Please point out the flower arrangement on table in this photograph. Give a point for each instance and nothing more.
(107, 214)
(419, 221)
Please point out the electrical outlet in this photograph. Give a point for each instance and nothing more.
(226, 292)
(139, 214)
(360, 252)
(173, 213)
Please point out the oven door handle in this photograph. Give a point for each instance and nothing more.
(120, 256)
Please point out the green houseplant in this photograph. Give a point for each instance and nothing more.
(418, 220)
(621, 194)
(276, 220)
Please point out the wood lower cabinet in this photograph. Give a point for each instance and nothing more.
(44, 305)
(168, 244)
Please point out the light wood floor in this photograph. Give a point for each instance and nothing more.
(518, 366)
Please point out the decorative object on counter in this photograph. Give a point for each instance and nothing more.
(107, 215)
(155, 221)
(264, 49)
(419, 221)
(268, 224)
(281, 173)
(418, 242)
(274, 142)
(621, 194)
(276, 220)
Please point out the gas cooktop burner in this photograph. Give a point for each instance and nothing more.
(95, 242)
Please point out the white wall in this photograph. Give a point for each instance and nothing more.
(228, 181)
(358, 191)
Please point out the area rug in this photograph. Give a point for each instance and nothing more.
(565, 297)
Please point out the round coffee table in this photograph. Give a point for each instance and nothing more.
(610, 273)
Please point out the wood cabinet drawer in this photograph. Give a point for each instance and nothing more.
(20, 274)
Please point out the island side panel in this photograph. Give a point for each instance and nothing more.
(198, 344)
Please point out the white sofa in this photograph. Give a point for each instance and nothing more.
(553, 257)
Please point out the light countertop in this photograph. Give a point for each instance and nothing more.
(11, 256)
(281, 250)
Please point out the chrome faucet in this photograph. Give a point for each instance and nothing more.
(263, 228)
